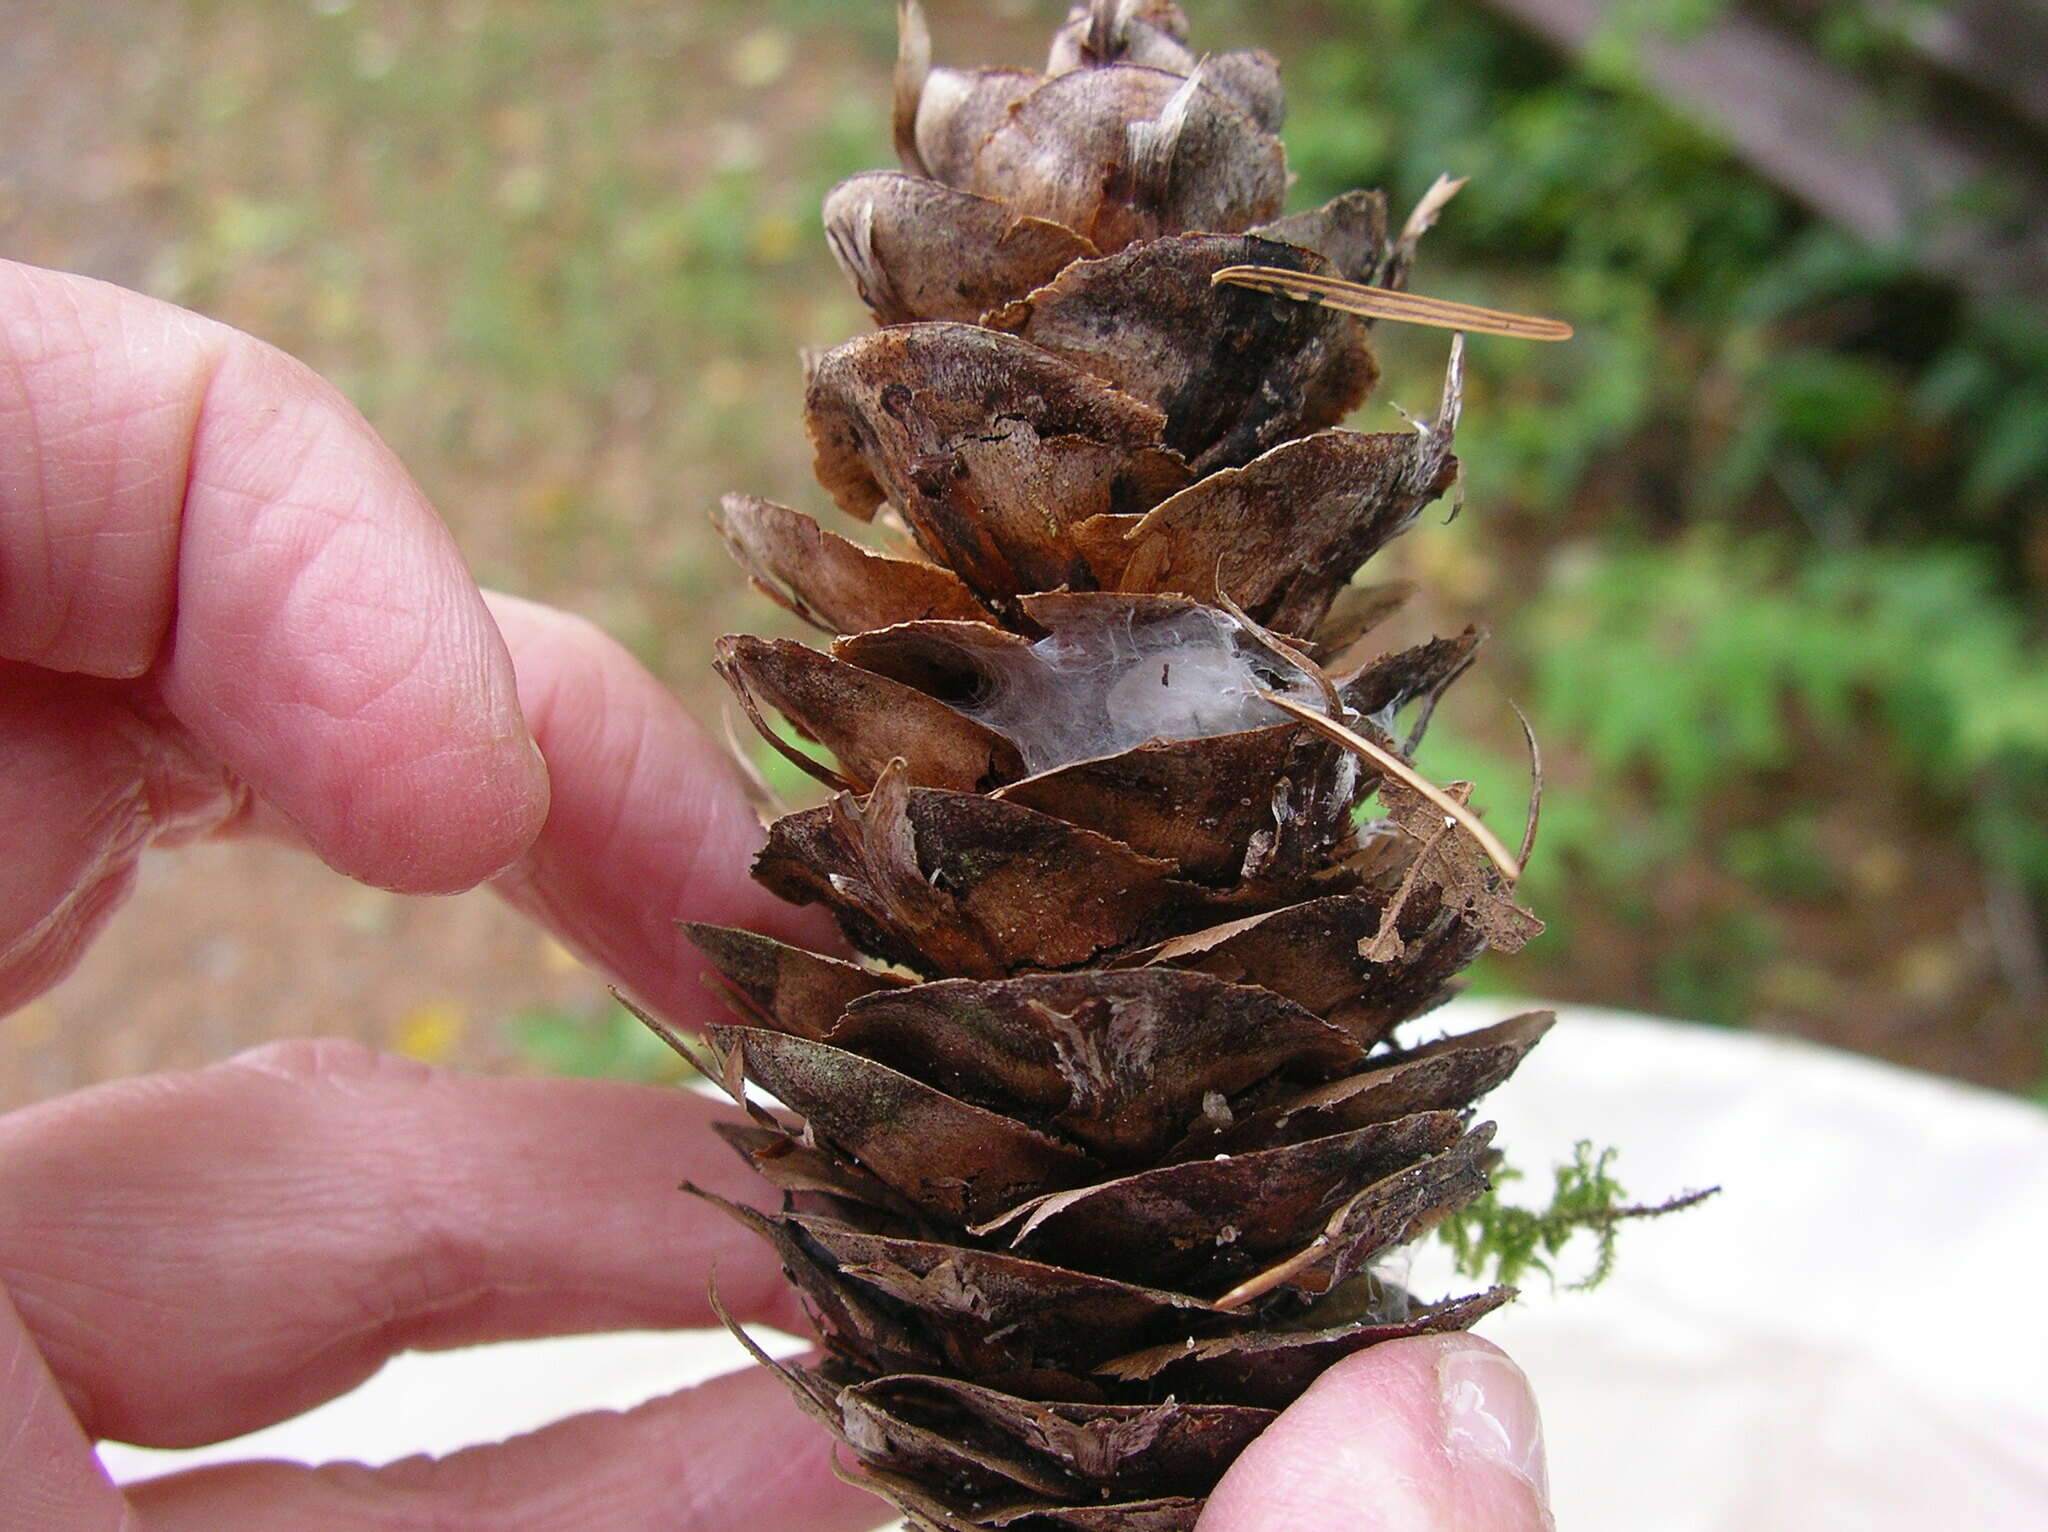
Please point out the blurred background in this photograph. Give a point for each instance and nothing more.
(1763, 550)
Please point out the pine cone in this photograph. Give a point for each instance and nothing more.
(1079, 1207)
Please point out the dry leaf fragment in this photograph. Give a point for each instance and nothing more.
(801, 992)
(1390, 303)
(918, 249)
(1179, 156)
(938, 1152)
(1232, 373)
(830, 582)
(1118, 1063)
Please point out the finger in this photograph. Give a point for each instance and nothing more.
(48, 1474)
(181, 500)
(649, 824)
(86, 783)
(732, 1453)
(100, 401)
(1435, 1434)
(201, 1254)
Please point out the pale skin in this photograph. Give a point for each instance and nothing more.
(225, 608)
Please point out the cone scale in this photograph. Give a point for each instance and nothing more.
(1087, 1166)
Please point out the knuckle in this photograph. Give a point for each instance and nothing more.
(332, 1063)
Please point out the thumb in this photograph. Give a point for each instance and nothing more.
(1434, 1434)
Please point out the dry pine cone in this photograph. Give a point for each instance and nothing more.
(1085, 1176)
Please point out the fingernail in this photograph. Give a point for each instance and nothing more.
(1490, 1413)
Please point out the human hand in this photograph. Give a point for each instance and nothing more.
(193, 1256)
(224, 606)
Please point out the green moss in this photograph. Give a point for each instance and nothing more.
(1498, 1241)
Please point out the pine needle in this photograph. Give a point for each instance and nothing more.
(1386, 303)
(1535, 786)
(1394, 766)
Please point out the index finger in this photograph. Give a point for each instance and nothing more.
(201, 1254)
(180, 501)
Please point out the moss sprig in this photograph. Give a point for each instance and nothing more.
(1502, 1242)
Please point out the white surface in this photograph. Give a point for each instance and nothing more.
(1845, 1338)
(440, 1402)
(1850, 1336)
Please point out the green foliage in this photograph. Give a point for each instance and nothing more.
(1783, 859)
(1708, 971)
(1798, 369)
(1675, 680)
(607, 1043)
(1501, 1242)
(1690, 664)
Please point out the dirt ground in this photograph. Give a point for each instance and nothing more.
(226, 946)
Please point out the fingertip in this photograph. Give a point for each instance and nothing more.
(429, 825)
(1491, 1421)
(331, 646)
(460, 789)
(1435, 1433)
(440, 823)
(195, 506)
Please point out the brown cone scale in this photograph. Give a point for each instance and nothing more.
(1086, 1164)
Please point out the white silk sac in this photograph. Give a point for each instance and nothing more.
(1102, 685)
